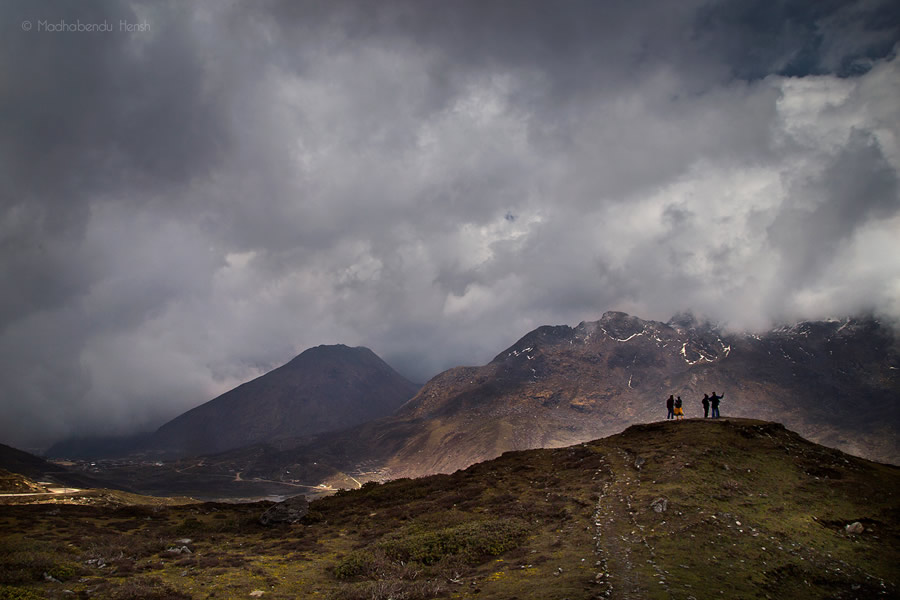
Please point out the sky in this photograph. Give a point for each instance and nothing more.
(195, 192)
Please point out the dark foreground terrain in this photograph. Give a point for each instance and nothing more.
(693, 509)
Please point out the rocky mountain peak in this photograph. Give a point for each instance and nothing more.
(622, 326)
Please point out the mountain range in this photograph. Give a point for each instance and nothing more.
(835, 382)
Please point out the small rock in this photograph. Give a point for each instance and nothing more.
(256, 593)
(49, 577)
(639, 462)
(659, 505)
(184, 541)
(855, 527)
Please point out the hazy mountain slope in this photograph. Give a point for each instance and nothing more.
(37, 469)
(704, 509)
(324, 388)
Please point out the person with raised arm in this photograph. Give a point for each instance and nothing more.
(714, 403)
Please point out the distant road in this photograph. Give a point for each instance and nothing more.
(52, 492)
(312, 487)
(238, 478)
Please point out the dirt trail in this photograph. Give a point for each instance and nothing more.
(621, 546)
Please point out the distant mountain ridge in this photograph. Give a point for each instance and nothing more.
(326, 388)
(835, 382)
(323, 389)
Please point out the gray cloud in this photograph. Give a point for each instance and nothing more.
(189, 206)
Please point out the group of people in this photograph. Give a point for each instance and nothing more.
(676, 409)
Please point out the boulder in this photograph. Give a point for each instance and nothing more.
(855, 527)
(287, 511)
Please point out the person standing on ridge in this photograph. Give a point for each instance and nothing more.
(670, 406)
(714, 401)
(705, 403)
(679, 411)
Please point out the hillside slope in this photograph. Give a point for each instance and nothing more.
(16, 483)
(705, 509)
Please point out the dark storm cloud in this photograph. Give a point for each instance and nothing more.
(192, 204)
(796, 37)
(88, 118)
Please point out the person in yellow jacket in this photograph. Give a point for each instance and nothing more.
(679, 411)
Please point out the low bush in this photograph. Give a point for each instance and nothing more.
(17, 593)
(63, 571)
(473, 541)
(469, 542)
(389, 590)
(23, 560)
(111, 547)
(146, 588)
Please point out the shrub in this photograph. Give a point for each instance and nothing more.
(390, 590)
(17, 593)
(23, 560)
(190, 525)
(113, 547)
(63, 571)
(473, 541)
(146, 588)
(469, 542)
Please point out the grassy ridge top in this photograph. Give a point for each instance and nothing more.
(699, 508)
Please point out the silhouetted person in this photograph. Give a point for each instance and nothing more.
(670, 406)
(714, 402)
(705, 403)
(679, 412)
